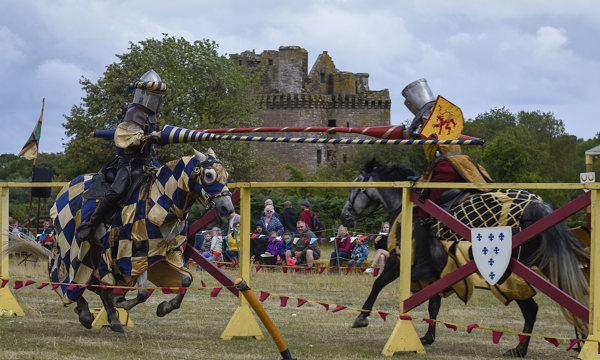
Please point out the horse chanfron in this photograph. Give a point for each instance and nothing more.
(211, 180)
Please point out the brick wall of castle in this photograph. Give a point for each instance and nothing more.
(325, 96)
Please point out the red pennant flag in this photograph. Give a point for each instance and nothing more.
(296, 269)
(263, 296)
(362, 269)
(42, 286)
(102, 286)
(552, 341)
(182, 290)
(334, 267)
(429, 321)
(523, 337)
(471, 327)
(284, 300)
(71, 287)
(348, 270)
(18, 284)
(55, 286)
(150, 291)
(284, 269)
(118, 291)
(338, 308)
(233, 265)
(258, 267)
(215, 292)
(326, 306)
(29, 282)
(203, 284)
(271, 267)
(573, 342)
(301, 302)
(496, 336)
(406, 317)
(321, 269)
(220, 265)
(166, 290)
(450, 326)
(4, 282)
(375, 272)
(383, 315)
(307, 268)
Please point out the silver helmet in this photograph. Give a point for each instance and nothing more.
(149, 90)
(417, 94)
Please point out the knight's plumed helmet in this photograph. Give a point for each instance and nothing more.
(148, 90)
(417, 94)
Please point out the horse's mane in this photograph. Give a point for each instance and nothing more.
(396, 172)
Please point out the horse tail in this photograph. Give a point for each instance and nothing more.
(558, 256)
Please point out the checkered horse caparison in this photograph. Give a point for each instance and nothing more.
(148, 229)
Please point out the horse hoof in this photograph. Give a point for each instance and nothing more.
(360, 321)
(514, 353)
(163, 309)
(426, 340)
(85, 317)
(117, 328)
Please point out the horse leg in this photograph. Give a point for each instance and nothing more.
(434, 308)
(391, 271)
(83, 310)
(166, 307)
(111, 312)
(142, 294)
(529, 309)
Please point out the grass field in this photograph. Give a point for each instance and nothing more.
(51, 331)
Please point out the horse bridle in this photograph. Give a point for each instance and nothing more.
(207, 199)
(361, 190)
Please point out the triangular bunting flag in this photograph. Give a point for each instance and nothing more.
(166, 290)
(263, 296)
(406, 317)
(496, 336)
(42, 286)
(301, 302)
(215, 292)
(182, 290)
(573, 342)
(450, 326)
(471, 327)
(523, 337)
(326, 306)
(338, 308)
(18, 284)
(150, 291)
(284, 300)
(551, 340)
(384, 315)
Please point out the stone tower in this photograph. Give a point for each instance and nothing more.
(325, 96)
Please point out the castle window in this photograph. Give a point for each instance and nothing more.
(322, 78)
(331, 123)
(347, 124)
(344, 158)
(270, 61)
(318, 156)
(239, 62)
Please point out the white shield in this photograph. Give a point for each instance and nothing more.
(587, 177)
(491, 249)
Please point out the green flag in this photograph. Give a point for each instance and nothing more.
(30, 150)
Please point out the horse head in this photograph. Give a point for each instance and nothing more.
(209, 180)
(363, 201)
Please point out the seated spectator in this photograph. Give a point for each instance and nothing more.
(270, 256)
(359, 254)
(231, 245)
(41, 237)
(199, 241)
(286, 245)
(305, 247)
(258, 243)
(381, 248)
(269, 222)
(289, 217)
(343, 248)
(216, 244)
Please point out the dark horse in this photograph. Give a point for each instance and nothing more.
(556, 252)
(144, 239)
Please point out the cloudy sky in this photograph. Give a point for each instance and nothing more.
(518, 54)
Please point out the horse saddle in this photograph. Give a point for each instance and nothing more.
(102, 181)
(453, 197)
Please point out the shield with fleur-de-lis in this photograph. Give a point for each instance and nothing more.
(492, 248)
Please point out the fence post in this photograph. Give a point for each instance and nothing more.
(590, 348)
(7, 300)
(404, 337)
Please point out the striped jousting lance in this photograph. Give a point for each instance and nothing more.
(176, 135)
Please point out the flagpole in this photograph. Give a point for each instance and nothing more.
(37, 142)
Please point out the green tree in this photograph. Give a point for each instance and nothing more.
(205, 90)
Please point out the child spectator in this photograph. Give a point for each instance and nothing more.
(216, 244)
(359, 253)
(230, 247)
(286, 244)
(273, 249)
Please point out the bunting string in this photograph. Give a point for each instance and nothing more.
(284, 300)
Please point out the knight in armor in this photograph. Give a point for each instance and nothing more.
(134, 139)
(446, 164)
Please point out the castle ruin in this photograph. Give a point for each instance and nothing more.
(325, 96)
